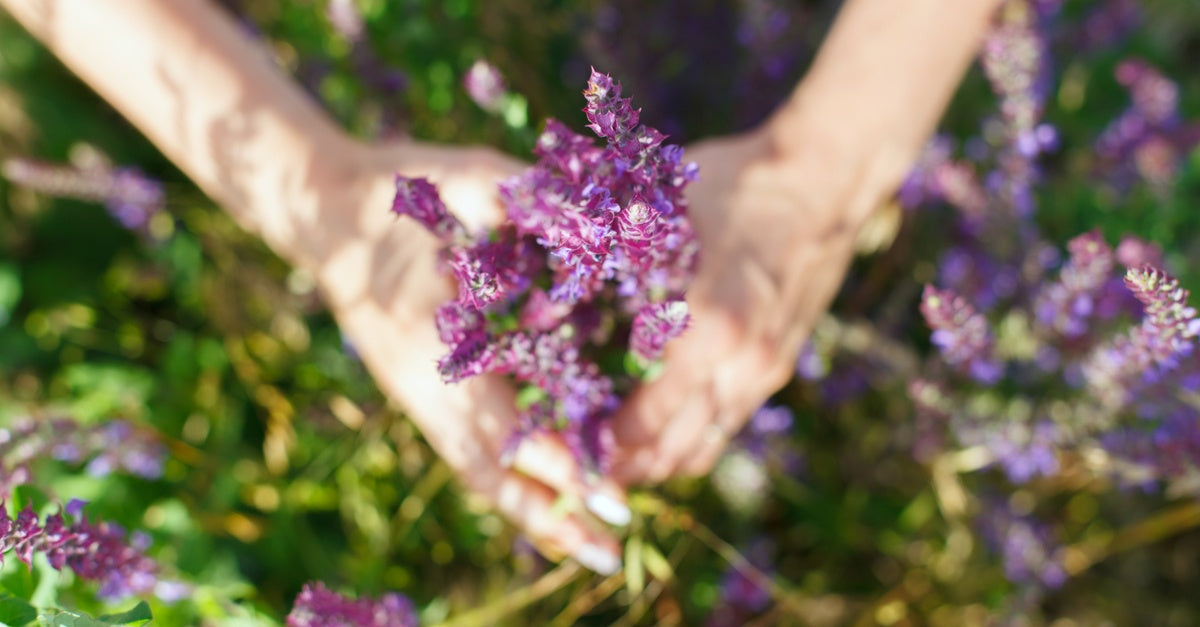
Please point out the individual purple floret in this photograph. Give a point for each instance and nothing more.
(596, 253)
(130, 196)
(962, 334)
(98, 552)
(317, 606)
(485, 85)
(1134, 252)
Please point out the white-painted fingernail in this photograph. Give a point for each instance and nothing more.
(608, 509)
(597, 559)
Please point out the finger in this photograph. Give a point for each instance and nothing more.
(545, 457)
(640, 420)
(651, 461)
(738, 396)
(682, 435)
(532, 507)
(687, 362)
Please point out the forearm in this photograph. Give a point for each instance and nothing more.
(185, 75)
(877, 89)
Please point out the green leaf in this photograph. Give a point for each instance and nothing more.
(15, 612)
(515, 111)
(67, 618)
(63, 618)
(639, 369)
(657, 564)
(635, 573)
(139, 613)
(10, 291)
(529, 395)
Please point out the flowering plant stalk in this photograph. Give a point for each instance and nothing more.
(93, 551)
(577, 293)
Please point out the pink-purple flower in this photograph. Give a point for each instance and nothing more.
(100, 552)
(595, 256)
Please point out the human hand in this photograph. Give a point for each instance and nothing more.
(384, 286)
(776, 237)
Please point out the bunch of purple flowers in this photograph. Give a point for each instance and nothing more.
(596, 253)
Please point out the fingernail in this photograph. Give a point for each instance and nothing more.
(608, 509)
(597, 559)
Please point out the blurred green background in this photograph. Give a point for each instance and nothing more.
(287, 464)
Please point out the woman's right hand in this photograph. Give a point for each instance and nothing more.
(381, 280)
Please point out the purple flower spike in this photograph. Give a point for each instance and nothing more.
(1032, 556)
(93, 551)
(1170, 324)
(1067, 305)
(112, 446)
(419, 199)
(472, 356)
(318, 606)
(610, 115)
(1014, 60)
(961, 333)
(130, 196)
(1167, 334)
(1148, 140)
(654, 325)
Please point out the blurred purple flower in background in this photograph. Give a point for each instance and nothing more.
(961, 334)
(485, 85)
(744, 593)
(1148, 141)
(130, 196)
(761, 450)
(98, 552)
(111, 446)
(317, 606)
(1031, 555)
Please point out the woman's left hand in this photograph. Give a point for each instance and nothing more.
(775, 243)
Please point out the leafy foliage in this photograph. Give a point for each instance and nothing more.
(285, 465)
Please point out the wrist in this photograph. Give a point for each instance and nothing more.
(844, 178)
